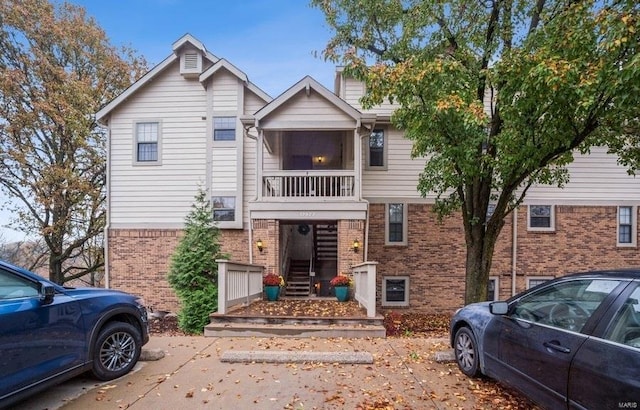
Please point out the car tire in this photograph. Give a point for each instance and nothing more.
(116, 350)
(466, 352)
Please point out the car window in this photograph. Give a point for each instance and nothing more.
(567, 305)
(625, 327)
(14, 287)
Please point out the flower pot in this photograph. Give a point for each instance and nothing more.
(342, 293)
(272, 292)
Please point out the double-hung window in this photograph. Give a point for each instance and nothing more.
(396, 224)
(147, 140)
(376, 158)
(626, 226)
(224, 208)
(541, 218)
(224, 128)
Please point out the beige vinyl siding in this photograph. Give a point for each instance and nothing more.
(401, 177)
(225, 91)
(159, 195)
(224, 173)
(252, 102)
(308, 112)
(354, 90)
(594, 178)
(249, 176)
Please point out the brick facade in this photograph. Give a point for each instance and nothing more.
(434, 257)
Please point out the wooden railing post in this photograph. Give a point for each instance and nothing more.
(222, 285)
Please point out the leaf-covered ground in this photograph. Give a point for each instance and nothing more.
(414, 327)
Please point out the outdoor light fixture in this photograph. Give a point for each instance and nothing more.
(355, 245)
(260, 245)
(320, 158)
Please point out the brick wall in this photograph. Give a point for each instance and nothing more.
(434, 257)
(139, 261)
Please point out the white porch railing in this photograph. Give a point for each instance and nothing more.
(337, 184)
(238, 283)
(364, 282)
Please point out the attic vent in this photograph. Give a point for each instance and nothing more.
(190, 64)
(191, 61)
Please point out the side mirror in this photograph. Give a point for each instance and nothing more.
(46, 293)
(499, 308)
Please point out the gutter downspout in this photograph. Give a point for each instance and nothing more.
(255, 198)
(514, 251)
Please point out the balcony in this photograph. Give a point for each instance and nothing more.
(304, 186)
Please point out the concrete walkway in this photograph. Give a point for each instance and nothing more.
(192, 375)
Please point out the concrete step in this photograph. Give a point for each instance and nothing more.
(294, 331)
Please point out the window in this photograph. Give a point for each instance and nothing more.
(493, 289)
(396, 224)
(224, 128)
(147, 140)
(533, 282)
(541, 218)
(224, 208)
(395, 291)
(376, 151)
(15, 287)
(625, 328)
(565, 305)
(626, 231)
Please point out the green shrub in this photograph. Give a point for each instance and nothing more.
(193, 273)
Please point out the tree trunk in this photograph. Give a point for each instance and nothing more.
(480, 247)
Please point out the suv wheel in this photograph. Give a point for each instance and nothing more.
(116, 350)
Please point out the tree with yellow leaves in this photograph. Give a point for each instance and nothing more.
(57, 69)
(498, 95)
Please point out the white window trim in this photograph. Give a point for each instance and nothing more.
(134, 157)
(404, 303)
(530, 278)
(237, 222)
(405, 219)
(551, 228)
(496, 289)
(238, 130)
(385, 151)
(634, 227)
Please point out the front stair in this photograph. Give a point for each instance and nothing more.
(298, 279)
(242, 325)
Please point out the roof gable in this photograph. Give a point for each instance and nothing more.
(306, 85)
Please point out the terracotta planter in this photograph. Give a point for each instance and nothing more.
(272, 292)
(342, 293)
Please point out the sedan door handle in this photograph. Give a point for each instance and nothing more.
(555, 345)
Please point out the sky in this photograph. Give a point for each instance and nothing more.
(275, 42)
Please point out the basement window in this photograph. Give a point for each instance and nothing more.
(395, 291)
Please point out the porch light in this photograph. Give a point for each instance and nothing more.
(259, 245)
(319, 158)
(355, 245)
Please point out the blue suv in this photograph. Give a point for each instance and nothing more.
(50, 333)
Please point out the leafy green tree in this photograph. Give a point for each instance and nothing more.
(193, 273)
(56, 70)
(497, 95)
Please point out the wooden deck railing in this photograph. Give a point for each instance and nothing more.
(238, 283)
(338, 184)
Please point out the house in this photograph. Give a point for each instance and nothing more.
(309, 184)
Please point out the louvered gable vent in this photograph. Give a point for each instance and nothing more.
(191, 64)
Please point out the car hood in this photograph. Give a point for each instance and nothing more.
(93, 292)
(476, 315)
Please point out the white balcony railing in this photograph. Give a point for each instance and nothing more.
(238, 283)
(338, 184)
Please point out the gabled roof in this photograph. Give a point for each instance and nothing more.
(222, 63)
(307, 84)
(184, 41)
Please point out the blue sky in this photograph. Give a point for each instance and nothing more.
(272, 41)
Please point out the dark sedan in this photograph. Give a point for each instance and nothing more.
(49, 333)
(572, 342)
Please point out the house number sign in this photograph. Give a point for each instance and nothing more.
(307, 214)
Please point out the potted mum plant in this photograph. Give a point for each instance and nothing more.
(272, 284)
(341, 285)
